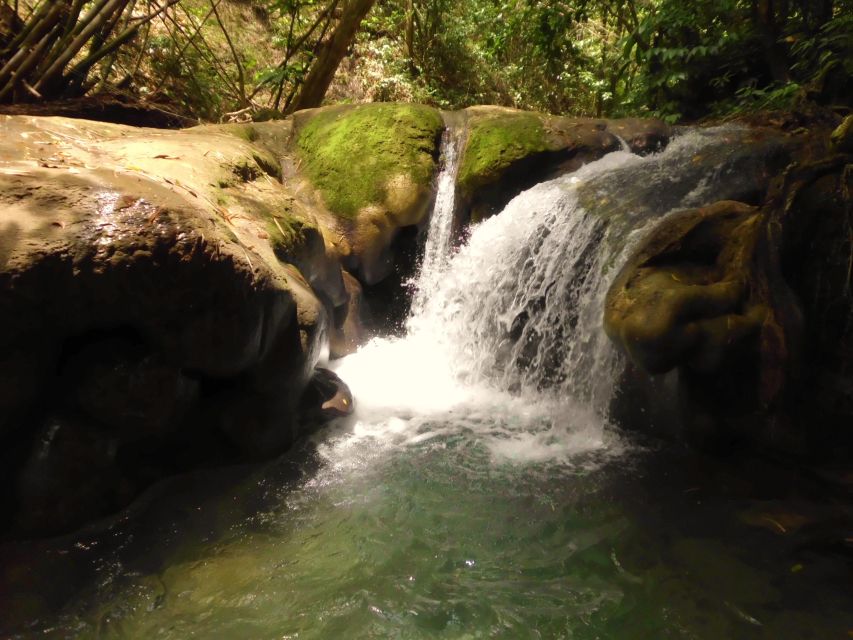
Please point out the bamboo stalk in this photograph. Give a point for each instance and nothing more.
(38, 14)
(59, 63)
(186, 45)
(29, 63)
(82, 68)
(36, 28)
(299, 42)
(208, 56)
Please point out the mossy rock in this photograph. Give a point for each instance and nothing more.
(495, 142)
(360, 156)
(507, 151)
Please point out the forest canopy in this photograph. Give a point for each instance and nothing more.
(233, 59)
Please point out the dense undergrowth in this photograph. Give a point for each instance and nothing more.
(242, 59)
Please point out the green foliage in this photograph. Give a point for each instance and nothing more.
(720, 57)
(230, 59)
(185, 79)
(351, 154)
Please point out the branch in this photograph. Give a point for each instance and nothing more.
(241, 76)
(185, 45)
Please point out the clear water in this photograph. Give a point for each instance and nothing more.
(478, 491)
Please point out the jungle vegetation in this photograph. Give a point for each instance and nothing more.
(241, 59)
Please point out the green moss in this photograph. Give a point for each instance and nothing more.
(268, 163)
(245, 132)
(497, 141)
(289, 234)
(351, 154)
(246, 170)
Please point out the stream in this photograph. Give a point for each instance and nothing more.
(479, 490)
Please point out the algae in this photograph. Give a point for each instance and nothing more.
(352, 155)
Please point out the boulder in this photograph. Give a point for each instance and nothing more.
(687, 296)
(370, 168)
(146, 277)
(507, 151)
(748, 312)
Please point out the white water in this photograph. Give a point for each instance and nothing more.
(505, 339)
(437, 247)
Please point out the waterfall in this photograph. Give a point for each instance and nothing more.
(439, 233)
(513, 319)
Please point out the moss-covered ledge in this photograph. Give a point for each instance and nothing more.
(371, 168)
(507, 151)
(498, 138)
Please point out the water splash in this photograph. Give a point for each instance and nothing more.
(512, 320)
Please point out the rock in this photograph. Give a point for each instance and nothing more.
(145, 266)
(694, 299)
(371, 168)
(326, 397)
(841, 139)
(69, 477)
(812, 220)
(507, 151)
(120, 386)
(687, 296)
(348, 332)
(750, 309)
(642, 135)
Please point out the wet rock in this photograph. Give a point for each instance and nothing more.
(70, 475)
(685, 298)
(507, 151)
(811, 218)
(326, 397)
(750, 309)
(642, 135)
(115, 383)
(135, 278)
(348, 331)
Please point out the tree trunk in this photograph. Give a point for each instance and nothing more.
(410, 35)
(767, 26)
(323, 69)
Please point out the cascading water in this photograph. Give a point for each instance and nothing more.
(470, 496)
(511, 322)
(437, 247)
